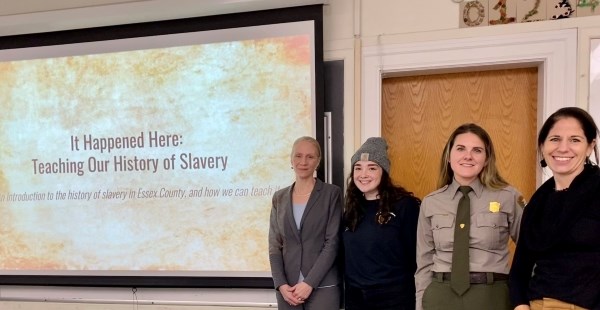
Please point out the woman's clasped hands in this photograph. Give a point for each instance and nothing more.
(297, 294)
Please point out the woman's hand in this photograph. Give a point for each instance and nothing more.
(522, 307)
(288, 295)
(302, 291)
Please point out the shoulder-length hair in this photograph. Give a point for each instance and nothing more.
(489, 176)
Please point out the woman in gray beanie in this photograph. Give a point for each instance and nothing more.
(379, 240)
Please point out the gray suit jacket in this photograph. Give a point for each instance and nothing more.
(314, 247)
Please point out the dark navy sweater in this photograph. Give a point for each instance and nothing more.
(383, 255)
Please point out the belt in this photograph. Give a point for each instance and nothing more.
(474, 277)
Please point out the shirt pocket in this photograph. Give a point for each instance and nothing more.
(491, 231)
(442, 226)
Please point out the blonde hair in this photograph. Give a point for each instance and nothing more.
(312, 140)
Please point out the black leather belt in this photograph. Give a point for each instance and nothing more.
(475, 277)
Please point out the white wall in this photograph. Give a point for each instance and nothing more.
(19, 305)
(82, 298)
(350, 26)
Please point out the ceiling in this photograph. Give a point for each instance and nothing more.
(30, 16)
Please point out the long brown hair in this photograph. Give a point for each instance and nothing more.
(489, 176)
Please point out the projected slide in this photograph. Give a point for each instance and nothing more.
(163, 158)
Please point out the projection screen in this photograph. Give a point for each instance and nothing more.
(150, 158)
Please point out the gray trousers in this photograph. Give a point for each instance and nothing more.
(326, 298)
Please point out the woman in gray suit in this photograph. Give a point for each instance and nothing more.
(304, 235)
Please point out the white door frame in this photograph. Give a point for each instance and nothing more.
(553, 52)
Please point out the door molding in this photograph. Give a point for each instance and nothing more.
(554, 52)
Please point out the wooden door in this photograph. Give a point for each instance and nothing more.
(420, 112)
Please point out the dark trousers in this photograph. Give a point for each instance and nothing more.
(382, 298)
(488, 296)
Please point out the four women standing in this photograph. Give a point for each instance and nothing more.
(461, 259)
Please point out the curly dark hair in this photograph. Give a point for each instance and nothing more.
(388, 194)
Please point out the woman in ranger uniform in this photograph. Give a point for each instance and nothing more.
(464, 228)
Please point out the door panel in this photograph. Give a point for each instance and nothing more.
(420, 112)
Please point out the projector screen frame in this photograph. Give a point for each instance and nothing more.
(165, 27)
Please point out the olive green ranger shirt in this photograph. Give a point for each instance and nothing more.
(495, 215)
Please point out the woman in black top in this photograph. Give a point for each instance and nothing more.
(557, 260)
(380, 234)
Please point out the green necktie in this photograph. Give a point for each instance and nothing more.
(459, 277)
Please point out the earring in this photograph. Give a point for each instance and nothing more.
(543, 163)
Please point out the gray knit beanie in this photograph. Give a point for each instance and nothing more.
(375, 150)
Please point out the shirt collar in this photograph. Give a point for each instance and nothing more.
(475, 185)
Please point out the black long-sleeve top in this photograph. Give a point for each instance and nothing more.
(558, 253)
(383, 255)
